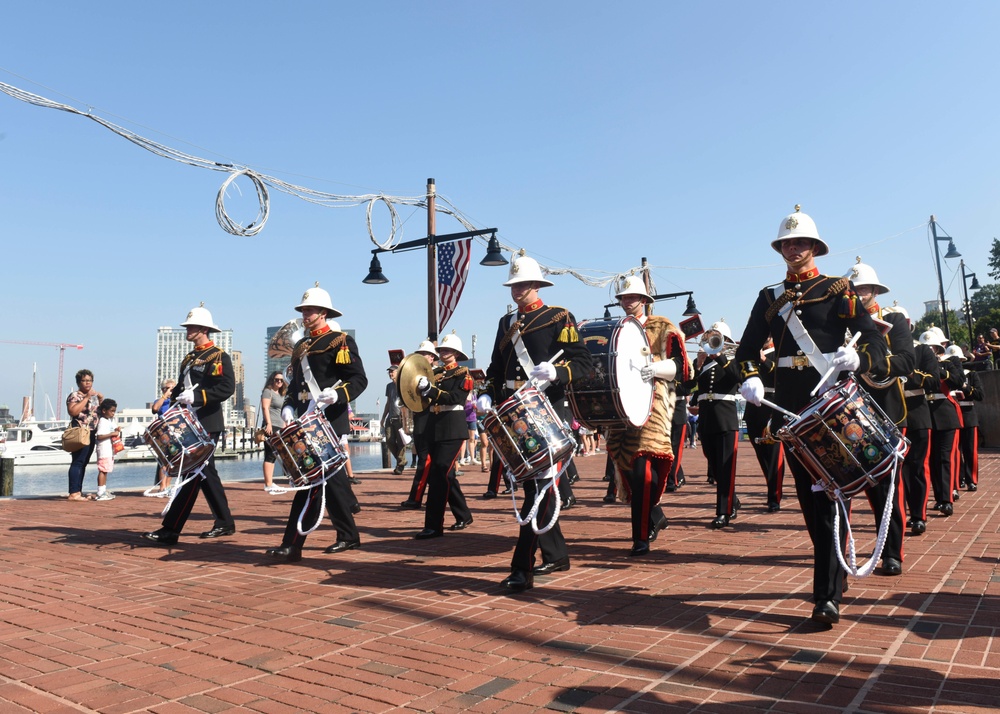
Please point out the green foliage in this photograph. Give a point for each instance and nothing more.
(985, 299)
(995, 260)
(956, 328)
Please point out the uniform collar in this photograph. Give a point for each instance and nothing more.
(875, 310)
(803, 276)
(536, 305)
(204, 346)
(456, 365)
(321, 331)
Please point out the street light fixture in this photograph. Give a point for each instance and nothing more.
(952, 253)
(967, 305)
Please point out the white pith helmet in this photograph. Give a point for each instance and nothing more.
(524, 270)
(954, 351)
(318, 297)
(453, 342)
(940, 333)
(897, 308)
(200, 317)
(633, 285)
(932, 338)
(723, 329)
(427, 348)
(864, 274)
(799, 225)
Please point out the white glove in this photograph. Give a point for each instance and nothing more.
(423, 385)
(484, 403)
(664, 369)
(846, 358)
(753, 390)
(186, 397)
(545, 371)
(327, 396)
(287, 415)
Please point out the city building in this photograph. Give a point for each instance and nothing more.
(172, 345)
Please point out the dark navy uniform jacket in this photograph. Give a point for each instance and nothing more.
(717, 378)
(972, 392)
(901, 359)
(449, 391)
(332, 356)
(212, 370)
(925, 378)
(945, 412)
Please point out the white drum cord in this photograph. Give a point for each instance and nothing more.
(548, 481)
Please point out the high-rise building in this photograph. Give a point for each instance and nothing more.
(172, 345)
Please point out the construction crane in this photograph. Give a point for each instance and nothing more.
(62, 352)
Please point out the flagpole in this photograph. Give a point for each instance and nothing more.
(432, 276)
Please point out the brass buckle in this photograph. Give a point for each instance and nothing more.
(800, 361)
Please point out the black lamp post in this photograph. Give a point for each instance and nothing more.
(952, 253)
(430, 242)
(968, 306)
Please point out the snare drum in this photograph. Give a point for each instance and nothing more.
(310, 451)
(179, 441)
(616, 394)
(528, 434)
(844, 440)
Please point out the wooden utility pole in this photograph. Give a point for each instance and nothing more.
(646, 282)
(432, 302)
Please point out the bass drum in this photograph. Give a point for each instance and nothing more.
(616, 395)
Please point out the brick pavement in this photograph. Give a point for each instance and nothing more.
(712, 621)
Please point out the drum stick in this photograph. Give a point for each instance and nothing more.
(776, 408)
(854, 341)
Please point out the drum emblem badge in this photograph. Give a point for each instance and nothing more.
(853, 431)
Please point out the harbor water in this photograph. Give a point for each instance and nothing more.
(140, 475)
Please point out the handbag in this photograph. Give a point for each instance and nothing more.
(75, 438)
(259, 435)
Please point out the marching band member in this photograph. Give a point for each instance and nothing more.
(769, 451)
(888, 394)
(946, 421)
(643, 455)
(718, 381)
(807, 315)
(206, 381)
(916, 465)
(421, 446)
(445, 432)
(525, 343)
(968, 436)
(320, 360)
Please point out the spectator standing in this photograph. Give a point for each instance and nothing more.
(392, 421)
(107, 428)
(82, 406)
(272, 399)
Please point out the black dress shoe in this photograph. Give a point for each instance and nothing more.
(720, 522)
(671, 487)
(971, 487)
(219, 531)
(937, 506)
(355, 508)
(428, 533)
(355, 481)
(556, 566)
(773, 507)
(161, 537)
(891, 566)
(490, 494)
(518, 581)
(947, 509)
(826, 612)
(409, 504)
(569, 502)
(398, 470)
(639, 548)
(955, 495)
(661, 523)
(918, 527)
(342, 545)
(610, 498)
(288, 553)
(460, 525)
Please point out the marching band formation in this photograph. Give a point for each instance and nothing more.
(835, 385)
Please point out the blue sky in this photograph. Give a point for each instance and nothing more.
(591, 134)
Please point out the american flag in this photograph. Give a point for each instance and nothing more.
(453, 269)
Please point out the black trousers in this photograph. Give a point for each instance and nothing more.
(818, 512)
(944, 463)
(395, 442)
(678, 439)
(720, 450)
(215, 495)
(552, 542)
(644, 481)
(968, 441)
(443, 488)
(421, 447)
(917, 473)
(339, 499)
(877, 496)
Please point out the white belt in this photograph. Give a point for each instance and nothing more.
(768, 390)
(516, 383)
(801, 361)
(966, 404)
(913, 393)
(713, 397)
(936, 397)
(438, 408)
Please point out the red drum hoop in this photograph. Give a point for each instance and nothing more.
(844, 440)
(528, 434)
(309, 450)
(616, 394)
(179, 441)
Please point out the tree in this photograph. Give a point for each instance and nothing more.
(985, 299)
(995, 260)
(956, 328)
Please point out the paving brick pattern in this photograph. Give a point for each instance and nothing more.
(91, 619)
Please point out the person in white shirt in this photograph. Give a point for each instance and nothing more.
(107, 429)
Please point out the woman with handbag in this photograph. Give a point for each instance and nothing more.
(272, 399)
(82, 406)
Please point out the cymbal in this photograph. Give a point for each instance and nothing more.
(412, 368)
(284, 339)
